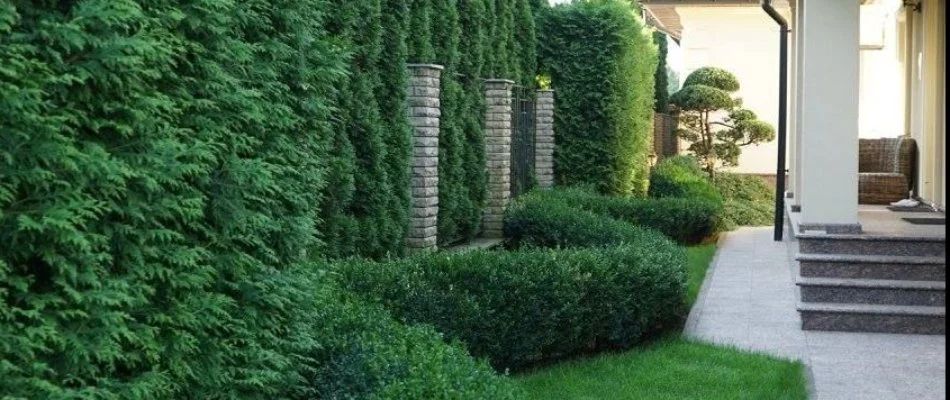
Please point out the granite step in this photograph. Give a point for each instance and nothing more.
(853, 266)
(872, 291)
(865, 244)
(873, 318)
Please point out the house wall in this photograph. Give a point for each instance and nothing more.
(744, 40)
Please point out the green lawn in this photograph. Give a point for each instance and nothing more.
(698, 259)
(672, 368)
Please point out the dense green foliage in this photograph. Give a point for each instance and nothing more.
(661, 94)
(168, 168)
(748, 200)
(681, 176)
(366, 354)
(685, 220)
(601, 60)
(708, 91)
(161, 165)
(524, 307)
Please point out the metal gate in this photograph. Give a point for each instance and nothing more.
(522, 140)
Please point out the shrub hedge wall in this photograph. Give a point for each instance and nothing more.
(530, 306)
(473, 40)
(602, 61)
(164, 166)
(161, 169)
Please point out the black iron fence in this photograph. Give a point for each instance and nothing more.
(522, 140)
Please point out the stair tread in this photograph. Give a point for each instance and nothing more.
(871, 237)
(871, 259)
(882, 309)
(871, 283)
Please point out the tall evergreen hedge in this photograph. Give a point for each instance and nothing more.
(601, 61)
(160, 169)
(474, 40)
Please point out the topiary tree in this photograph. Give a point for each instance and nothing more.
(705, 96)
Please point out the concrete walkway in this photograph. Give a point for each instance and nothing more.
(748, 300)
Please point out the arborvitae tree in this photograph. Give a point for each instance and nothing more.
(392, 98)
(525, 44)
(506, 62)
(661, 93)
(420, 32)
(474, 46)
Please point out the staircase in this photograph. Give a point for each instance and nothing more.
(872, 282)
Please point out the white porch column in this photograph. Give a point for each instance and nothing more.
(798, 27)
(829, 145)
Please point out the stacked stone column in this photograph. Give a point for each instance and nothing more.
(497, 154)
(424, 114)
(544, 139)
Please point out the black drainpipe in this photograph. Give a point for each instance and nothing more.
(782, 117)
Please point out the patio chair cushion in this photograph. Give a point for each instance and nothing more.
(886, 168)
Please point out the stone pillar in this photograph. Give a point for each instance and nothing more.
(544, 139)
(829, 145)
(497, 154)
(424, 113)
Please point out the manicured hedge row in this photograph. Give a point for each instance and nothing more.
(364, 354)
(685, 220)
(601, 59)
(524, 307)
(536, 221)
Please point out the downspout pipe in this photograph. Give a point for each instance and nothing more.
(782, 117)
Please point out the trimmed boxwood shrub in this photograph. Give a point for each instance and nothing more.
(601, 59)
(685, 220)
(364, 353)
(529, 306)
(536, 220)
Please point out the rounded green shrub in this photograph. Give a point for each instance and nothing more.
(748, 200)
(685, 220)
(534, 220)
(364, 353)
(526, 307)
(681, 176)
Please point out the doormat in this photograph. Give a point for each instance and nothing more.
(926, 221)
(910, 209)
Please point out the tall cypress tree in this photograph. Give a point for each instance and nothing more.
(661, 80)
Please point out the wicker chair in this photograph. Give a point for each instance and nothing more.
(886, 169)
